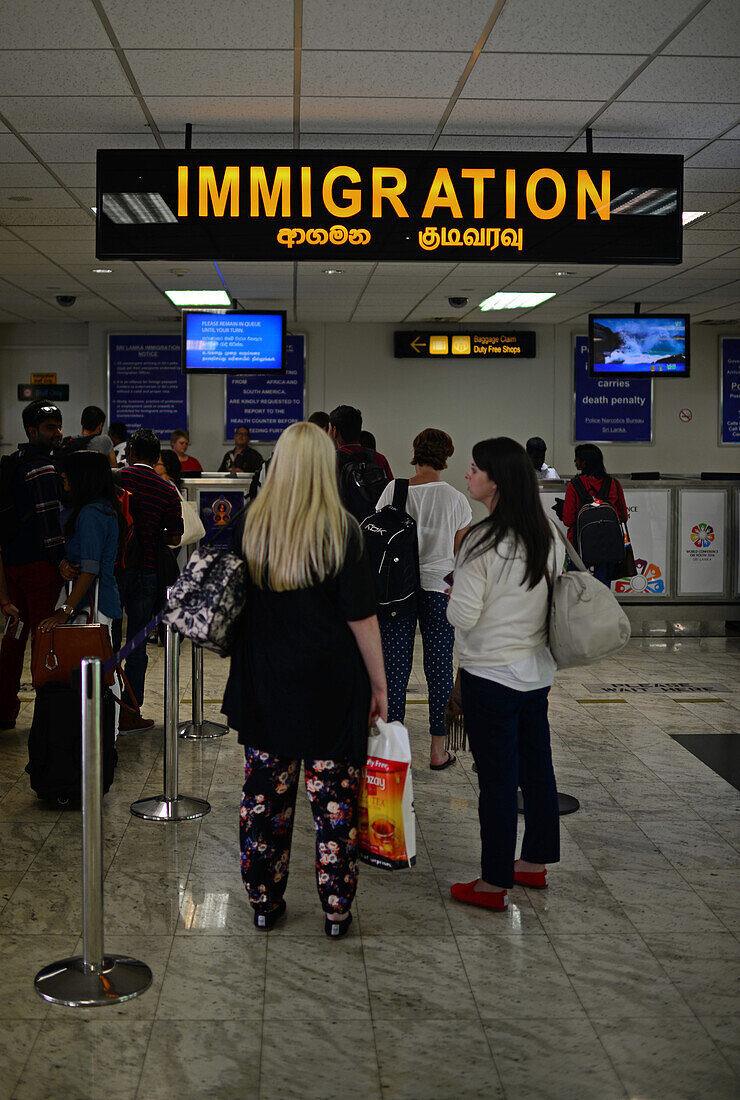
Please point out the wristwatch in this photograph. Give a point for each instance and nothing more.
(68, 611)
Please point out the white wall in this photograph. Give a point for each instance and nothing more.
(354, 364)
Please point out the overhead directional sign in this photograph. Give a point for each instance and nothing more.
(291, 204)
(464, 345)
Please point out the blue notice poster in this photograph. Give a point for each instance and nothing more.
(609, 410)
(217, 508)
(146, 386)
(267, 404)
(730, 383)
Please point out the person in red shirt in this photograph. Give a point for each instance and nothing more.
(589, 462)
(180, 441)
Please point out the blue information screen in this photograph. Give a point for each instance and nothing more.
(234, 341)
(609, 410)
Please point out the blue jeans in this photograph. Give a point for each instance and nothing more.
(437, 638)
(139, 598)
(509, 736)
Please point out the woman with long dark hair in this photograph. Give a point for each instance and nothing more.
(93, 531)
(498, 606)
(592, 483)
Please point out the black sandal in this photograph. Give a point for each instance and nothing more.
(337, 928)
(447, 764)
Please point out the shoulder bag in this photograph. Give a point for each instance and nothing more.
(585, 621)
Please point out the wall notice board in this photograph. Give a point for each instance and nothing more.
(146, 386)
(607, 410)
(267, 404)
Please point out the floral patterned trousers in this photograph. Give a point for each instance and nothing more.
(266, 827)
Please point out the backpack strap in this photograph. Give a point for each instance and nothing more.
(400, 493)
(584, 497)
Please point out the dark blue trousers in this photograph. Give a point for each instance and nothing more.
(139, 598)
(509, 736)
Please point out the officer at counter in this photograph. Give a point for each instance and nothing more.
(243, 457)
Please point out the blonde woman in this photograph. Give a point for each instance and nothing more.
(306, 678)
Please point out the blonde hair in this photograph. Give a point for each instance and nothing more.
(296, 531)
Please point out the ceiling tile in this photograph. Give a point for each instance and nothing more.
(40, 197)
(682, 147)
(53, 25)
(67, 72)
(75, 175)
(213, 72)
(502, 143)
(548, 76)
(386, 24)
(233, 24)
(518, 117)
(207, 139)
(720, 154)
(13, 151)
(81, 148)
(715, 31)
(20, 176)
(400, 116)
(665, 120)
(212, 113)
(41, 114)
(401, 73)
(711, 179)
(598, 26)
(44, 216)
(687, 80)
(390, 141)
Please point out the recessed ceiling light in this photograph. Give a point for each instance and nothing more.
(102, 271)
(94, 209)
(333, 271)
(198, 297)
(19, 198)
(505, 300)
(563, 274)
(689, 216)
(179, 271)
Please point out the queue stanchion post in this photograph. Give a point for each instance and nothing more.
(199, 729)
(171, 805)
(93, 978)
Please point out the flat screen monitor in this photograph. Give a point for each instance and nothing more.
(638, 346)
(233, 343)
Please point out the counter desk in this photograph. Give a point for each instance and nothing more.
(685, 536)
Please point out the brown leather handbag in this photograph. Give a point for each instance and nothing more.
(57, 653)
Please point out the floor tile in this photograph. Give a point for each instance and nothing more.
(16, 1040)
(435, 1058)
(201, 1058)
(517, 977)
(336, 1055)
(578, 902)
(330, 980)
(704, 967)
(660, 902)
(417, 976)
(214, 978)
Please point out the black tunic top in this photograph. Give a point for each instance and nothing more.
(298, 685)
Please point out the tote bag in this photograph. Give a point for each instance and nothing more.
(585, 621)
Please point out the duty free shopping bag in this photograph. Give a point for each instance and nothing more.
(387, 818)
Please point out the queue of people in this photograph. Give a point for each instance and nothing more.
(313, 667)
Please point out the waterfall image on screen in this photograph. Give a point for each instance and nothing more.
(639, 345)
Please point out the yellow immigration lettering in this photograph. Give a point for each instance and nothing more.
(208, 188)
(259, 188)
(531, 193)
(182, 190)
(601, 200)
(441, 193)
(390, 192)
(351, 195)
(478, 176)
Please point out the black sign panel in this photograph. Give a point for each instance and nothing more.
(43, 393)
(468, 344)
(342, 206)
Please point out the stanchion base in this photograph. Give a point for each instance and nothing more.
(567, 803)
(67, 982)
(170, 809)
(202, 731)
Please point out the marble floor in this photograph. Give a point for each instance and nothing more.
(620, 980)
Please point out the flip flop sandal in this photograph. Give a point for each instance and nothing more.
(447, 764)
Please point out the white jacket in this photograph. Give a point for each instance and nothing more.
(497, 619)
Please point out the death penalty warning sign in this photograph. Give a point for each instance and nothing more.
(609, 410)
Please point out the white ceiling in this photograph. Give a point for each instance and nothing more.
(658, 76)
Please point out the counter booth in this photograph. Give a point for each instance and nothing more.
(686, 540)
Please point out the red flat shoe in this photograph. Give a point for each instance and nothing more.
(487, 899)
(536, 879)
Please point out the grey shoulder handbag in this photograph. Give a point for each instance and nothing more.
(585, 621)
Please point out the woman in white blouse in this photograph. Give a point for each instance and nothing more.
(498, 606)
(442, 517)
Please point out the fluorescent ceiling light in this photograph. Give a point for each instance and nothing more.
(503, 300)
(650, 200)
(198, 297)
(689, 216)
(144, 208)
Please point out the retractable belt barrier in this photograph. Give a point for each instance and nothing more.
(93, 978)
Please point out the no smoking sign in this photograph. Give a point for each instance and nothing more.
(685, 415)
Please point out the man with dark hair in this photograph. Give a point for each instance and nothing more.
(91, 437)
(157, 516)
(362, 474)
(32, 544)
(243, 457)
(536, 449)
(320, 419)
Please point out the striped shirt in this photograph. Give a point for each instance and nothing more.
(37, 500)
(156, 510)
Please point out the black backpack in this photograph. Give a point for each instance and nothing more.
(599, 537)
(10, 519)
(361, 482)
(393, 549)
